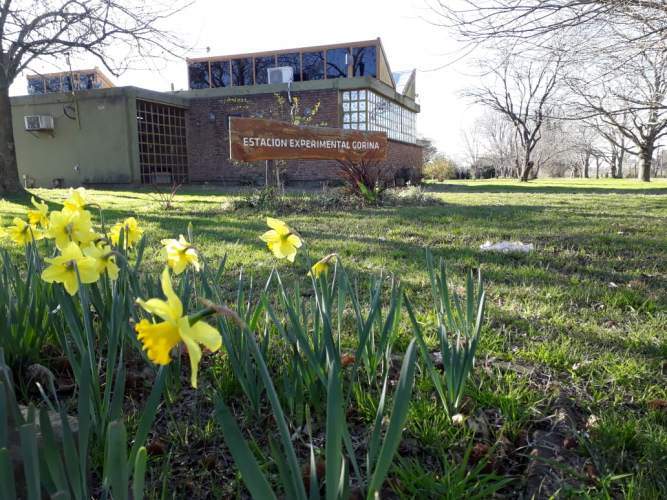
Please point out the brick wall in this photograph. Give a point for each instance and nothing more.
(208, 141)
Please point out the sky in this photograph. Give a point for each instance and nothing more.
(247, 26)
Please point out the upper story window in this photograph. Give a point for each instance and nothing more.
(66, 82)
(338, 61)
(313, 63)
(221, 75)
(242, 71)
(366, 110)
(313, 66)
(365, 61)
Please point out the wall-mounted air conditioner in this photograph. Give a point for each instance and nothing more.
(35, 123)
(283, 74)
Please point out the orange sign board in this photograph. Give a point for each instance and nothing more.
(253, 139)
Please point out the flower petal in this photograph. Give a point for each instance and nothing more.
(194, 351)
(205, 334)
(279, 226)
(172, 299)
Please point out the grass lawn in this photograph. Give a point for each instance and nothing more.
(575, 337)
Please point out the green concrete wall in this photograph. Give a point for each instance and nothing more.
(102, 141)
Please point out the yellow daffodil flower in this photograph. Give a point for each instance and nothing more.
(68, 225)
(158, 339)
(62, 268)
(77, 199)
(321, 266)
(132, 232)
(179, 253)
(282, 240)
(39, 216)
(22, 232)
(105, 258)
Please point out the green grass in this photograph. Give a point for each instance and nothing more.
(585, 315)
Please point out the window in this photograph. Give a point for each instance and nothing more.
(313, 66)
(293, 60)
(242, 71)
(52, 85)
(199, 77)
(66, 84)
(262, 64)
(35, 86)
(337, 60)
(365, 110)
(163, 154)
(220, 74)
(87, 81)
(365, 61)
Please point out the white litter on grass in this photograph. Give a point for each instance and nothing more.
(507, 246)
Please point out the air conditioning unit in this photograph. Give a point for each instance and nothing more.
(35, 123)
(283, 74)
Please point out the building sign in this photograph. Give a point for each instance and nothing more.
(253, 139)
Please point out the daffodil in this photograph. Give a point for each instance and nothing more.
(77, 199)
(281, 240)
(39, 216)
(105, 257)
(63, 268)
(179, 253)
(22, 232)
(159, 338)
(322, 266)
(71, 225)
(132, 232)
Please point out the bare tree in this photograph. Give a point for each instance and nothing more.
(500, 137)
(471, 139)
(524, 91)
(535, 21)
(634, 101)
(117, 32)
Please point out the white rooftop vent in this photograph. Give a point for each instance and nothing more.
(34, 123)
(282, 74)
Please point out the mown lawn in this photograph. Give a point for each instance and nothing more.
(575, 329)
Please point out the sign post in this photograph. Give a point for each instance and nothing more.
(254, 139)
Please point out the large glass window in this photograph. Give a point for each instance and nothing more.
(220, 74)
(242, 71)
(262, 64)
(365, 110)
(199, 77)
(66, 83)
(337, 60)
(313, 66)
(87, 81)
(365, 61)
(35, 86)
(52, 85)
(293, 60)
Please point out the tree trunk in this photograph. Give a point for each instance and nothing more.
(587, 162)
(597, 168)
(9, 173)
(526, 171)
(612, 164)
(619, 170)
(646, 155)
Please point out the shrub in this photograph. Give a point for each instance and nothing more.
(364, 179)
(440, 169)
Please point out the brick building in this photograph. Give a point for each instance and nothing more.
(168, 137)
